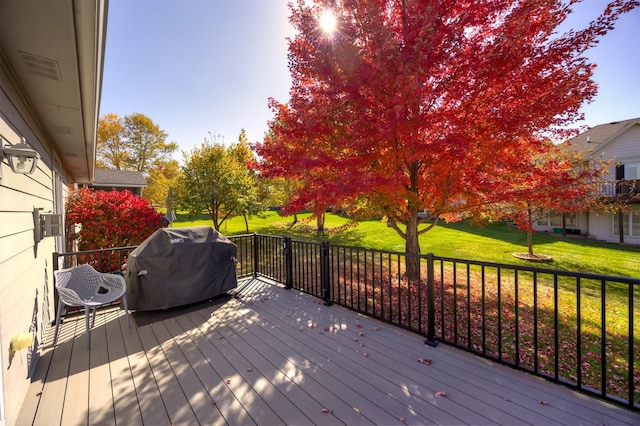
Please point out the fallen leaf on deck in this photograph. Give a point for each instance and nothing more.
(359, 325)
(325, 410)
(440, 394)
(543, 402)
(506, 398)
(361, 334)
(401, 419)
(356, 409)
(228, 381)
(376, 328)
(424, 361)
(249, 369)
(213, 401)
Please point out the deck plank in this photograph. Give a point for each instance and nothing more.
(197, 395)
(76, 403)
(52, 398)
(213, 371)
(377, 395)
(147, 393)
(101, 410)
(397, 365)
(271, 366)
(125, 401)
(175, 401)
(274, 356)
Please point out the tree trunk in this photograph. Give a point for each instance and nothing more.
(530, 231)
(412, 247)
(320, 223)
(246, 224)
(295, 220)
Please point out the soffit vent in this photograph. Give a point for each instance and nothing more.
(65, 130)
(41, 66)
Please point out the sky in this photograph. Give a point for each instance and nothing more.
(205, 69)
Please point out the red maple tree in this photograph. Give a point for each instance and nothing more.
(414, 107)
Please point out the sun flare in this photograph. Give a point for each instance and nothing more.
(328, 21)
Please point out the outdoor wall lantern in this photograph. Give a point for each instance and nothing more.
(22, 158)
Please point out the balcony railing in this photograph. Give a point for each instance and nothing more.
(619, 188)
(576, 329)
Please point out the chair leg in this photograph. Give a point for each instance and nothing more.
(55, 333)
(87, 313)
(126, 309)
(93, 320)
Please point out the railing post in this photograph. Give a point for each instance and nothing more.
(288, 262)
(256, 263)
(431, 305)
(324, 273)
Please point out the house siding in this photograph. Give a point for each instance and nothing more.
(26, 283)
(624, 149)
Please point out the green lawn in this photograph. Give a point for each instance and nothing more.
(494, 242)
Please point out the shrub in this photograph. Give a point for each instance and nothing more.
(110, 219)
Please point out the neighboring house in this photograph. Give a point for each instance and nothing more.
(51, 66)
(119, 180)
(620, 142)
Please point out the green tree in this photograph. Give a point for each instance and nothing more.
(249, 201)
(162, 176)
(216, 180)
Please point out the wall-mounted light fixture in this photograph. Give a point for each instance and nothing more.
(22, 158)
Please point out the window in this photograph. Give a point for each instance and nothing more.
(632, 171)
(554, 219)
(630, 223)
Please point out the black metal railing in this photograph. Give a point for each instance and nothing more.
(577, 329)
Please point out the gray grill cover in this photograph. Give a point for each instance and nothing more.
(179, 266)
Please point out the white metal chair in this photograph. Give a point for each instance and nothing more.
(84, 286)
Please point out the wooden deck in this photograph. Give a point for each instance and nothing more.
(275, 356)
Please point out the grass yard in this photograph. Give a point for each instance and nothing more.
(492, 243)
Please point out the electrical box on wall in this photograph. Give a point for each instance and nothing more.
(46, 225)
(52, 225)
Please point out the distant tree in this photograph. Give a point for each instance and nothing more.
(418, 106)
(146, 142)
(216, 180)
(132, 143)
(111, 148)
(162, 176)
(249, 201)
(556, 181)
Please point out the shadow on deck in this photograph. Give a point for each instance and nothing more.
(271, 356)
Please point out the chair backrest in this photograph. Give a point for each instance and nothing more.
(82, 279)
(83, 283)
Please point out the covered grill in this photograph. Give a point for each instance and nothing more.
(179, 266)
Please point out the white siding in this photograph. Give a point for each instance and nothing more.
(625, 148)
(26, 282)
